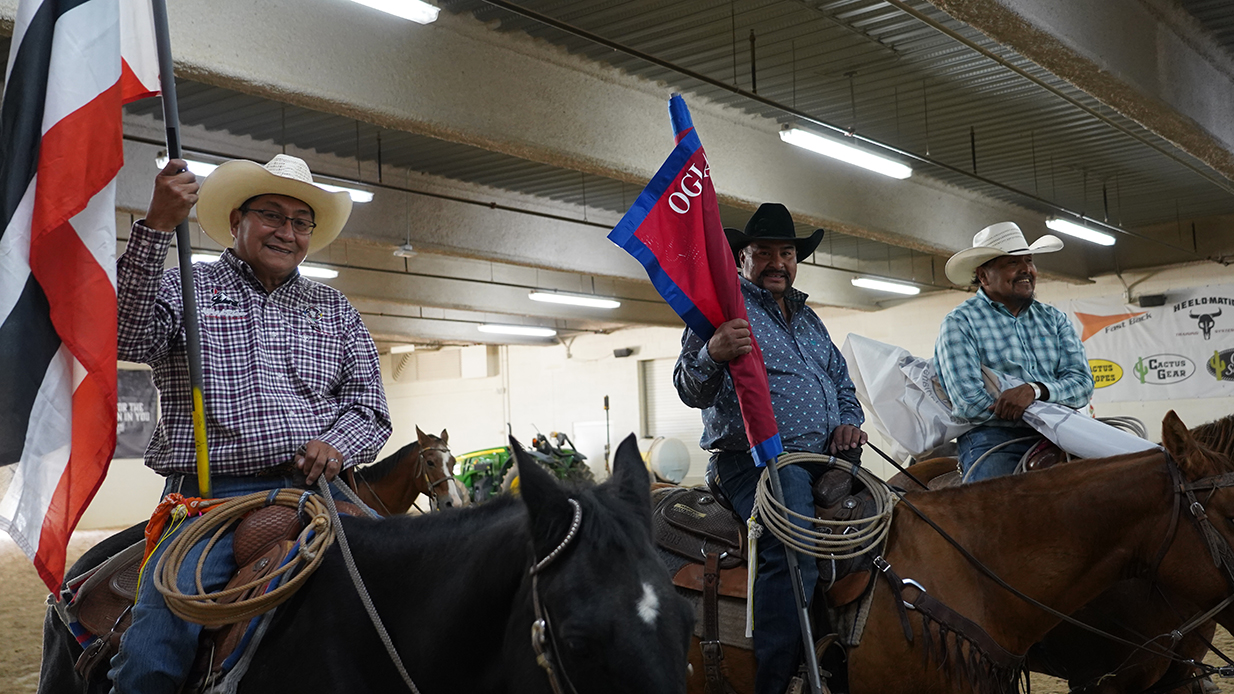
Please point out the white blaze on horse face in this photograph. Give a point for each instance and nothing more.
(649, 605)
(456, 497)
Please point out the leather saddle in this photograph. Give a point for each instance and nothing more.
(839, 495)
(101, 605)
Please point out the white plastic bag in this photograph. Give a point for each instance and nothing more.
(895, 389)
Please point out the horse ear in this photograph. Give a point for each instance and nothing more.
(1174, 435)
(546, 501)
(1192, 457)
(421, 436)
(630, 478)
(445, 437)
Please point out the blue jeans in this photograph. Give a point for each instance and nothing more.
(976, 442)
(777, 631)
(157, 651)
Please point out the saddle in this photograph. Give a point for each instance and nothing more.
(98, 609)
(840, 496)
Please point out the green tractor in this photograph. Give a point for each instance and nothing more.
(489, 472)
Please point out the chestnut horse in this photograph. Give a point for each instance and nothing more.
(425, 466)
(1062, 536)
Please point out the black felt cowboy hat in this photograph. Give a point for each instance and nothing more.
(771, 221)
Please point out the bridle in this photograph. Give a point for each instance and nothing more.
(430, 485)
(548, 655)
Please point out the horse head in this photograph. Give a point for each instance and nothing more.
(612, 620)
(436, 464)
(1206, 499)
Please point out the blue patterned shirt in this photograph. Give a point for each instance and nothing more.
(1037, 345)
(811, 392)
(278, 368)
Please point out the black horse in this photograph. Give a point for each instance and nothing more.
(455, 592)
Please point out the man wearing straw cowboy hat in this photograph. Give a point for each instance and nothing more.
(1006, 329)
(815, 405)
(290, 374)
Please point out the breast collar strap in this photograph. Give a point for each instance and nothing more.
(548, 655)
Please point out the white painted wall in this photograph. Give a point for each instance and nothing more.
(474, 391)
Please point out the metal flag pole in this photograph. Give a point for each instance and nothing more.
(799, 591)
(192, 330)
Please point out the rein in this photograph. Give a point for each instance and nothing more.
(548, 656)
(1204, 526)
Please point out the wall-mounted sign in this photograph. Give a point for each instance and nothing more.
(136, 404)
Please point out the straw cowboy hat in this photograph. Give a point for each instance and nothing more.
(771, 221)
(994, 241)
(233, 182)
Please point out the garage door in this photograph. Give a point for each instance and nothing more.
(665, 415)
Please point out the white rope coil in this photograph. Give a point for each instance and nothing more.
(827, 543)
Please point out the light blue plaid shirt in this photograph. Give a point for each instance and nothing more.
(1038, 345)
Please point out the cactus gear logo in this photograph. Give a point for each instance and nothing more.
(1221, 365)
(1163, 369)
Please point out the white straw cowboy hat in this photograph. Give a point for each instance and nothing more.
(233, 182)
(994, 241)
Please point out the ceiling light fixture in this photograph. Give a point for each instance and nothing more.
(1063, 226)
(402, 349)
(522, 330)
(885, 286)
(202, 169)
(573, 299)
(405, 251)
(850, 154)
(416, 11)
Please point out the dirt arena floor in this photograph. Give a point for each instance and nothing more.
(22, 608)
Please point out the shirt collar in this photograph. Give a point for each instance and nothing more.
(999, 307)
(795, 297)
(244, 270)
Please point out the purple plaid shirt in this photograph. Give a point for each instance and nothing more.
(278, 369)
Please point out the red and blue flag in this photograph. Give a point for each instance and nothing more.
(674, 230)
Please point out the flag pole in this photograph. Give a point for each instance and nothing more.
(799, 591)
(192, 330)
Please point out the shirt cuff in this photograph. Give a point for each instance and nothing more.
(146, 242)
(704, 366)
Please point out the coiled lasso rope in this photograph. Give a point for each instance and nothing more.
(821, 544)
(827, 543)
(203, 607)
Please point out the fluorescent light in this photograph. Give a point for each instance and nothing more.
(524, 330)
(202, 169)
(402, 349)
(885, 286)
(1063, 226)
(574, 300)
(845, 152)
(324, 273)
(416, 11)
(205, 257)
(199, 168)
(356, 195)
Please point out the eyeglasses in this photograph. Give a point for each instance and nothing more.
(275, 220)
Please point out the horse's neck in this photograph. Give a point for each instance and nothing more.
(1062, 535)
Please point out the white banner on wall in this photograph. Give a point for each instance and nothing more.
(1183, 349)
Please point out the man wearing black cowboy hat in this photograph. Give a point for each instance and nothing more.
(815, 405)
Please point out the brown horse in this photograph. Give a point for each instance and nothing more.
(1062, 536)
(425, 466)
(1132, 609)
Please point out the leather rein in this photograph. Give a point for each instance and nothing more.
(1218, 546)
(548, 655)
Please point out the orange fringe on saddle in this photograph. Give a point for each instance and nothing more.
(177, 506)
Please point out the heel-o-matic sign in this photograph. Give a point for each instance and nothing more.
(1184, 349)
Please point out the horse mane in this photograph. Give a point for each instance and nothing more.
(1217, 436)
(382, 468)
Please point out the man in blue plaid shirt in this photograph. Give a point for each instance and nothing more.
(1007, 330)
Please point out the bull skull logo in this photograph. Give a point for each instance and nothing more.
(1206, 322)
